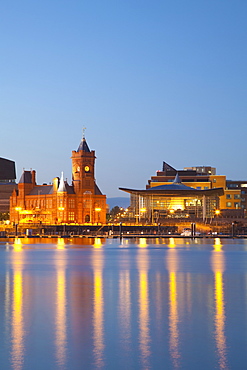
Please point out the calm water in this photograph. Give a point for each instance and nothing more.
(146, 304)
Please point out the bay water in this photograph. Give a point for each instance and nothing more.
(162, 303)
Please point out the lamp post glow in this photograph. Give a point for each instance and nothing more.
(217, 213)
(61, 209)
(18, 209)
(142, 213)
(97, 210)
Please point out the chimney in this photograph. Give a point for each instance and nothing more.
(33, 177)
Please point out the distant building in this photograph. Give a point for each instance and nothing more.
(79, 203)
(7, 183)
(203, 178)
(173, 199)
(212, 192)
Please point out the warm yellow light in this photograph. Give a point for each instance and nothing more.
(171, 211)
(97, 243)
(143, 243)
(217, 211)
(143, 209)
(60, 243)
(18, 209)
(97, 209)
(172, 243)
(61, 208)
(17, 245)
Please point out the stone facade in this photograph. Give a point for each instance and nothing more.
(61, 203)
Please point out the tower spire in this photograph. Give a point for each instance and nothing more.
(83, 132)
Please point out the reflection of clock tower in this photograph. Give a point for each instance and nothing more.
(83, 169)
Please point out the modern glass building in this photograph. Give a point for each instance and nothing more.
(173, 200)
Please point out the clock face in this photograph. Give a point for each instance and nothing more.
(86, 168)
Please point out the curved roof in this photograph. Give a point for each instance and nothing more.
(176, 188)
(175, 185)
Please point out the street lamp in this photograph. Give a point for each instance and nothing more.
(142, 212)
(61, 209)
(18, 209)
(217, 213)
(97, 209)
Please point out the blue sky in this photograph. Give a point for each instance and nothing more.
(152, 81)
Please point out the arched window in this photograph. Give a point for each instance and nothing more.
(87, 218)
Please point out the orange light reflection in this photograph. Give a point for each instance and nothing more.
(218, 266)
(144, 335)
(98, 310)
(61, 305)
(17, 321)
(173, 306)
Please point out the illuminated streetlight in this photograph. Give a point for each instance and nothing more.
(217, 213)
(98, 209)
(18, 209)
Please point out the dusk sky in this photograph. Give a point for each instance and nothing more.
(152, 81)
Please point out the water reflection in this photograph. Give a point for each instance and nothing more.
(17, 320)
(144, 335)
(142, 242)
(60, 243)
(124, 308)
(98, 309)
(97, 243)
(172, 266)
(61, 307)
(218, 267)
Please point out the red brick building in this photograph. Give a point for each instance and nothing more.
(79, 203)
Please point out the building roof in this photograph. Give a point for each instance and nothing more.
(167, 167)
(7, 170)
(83, 146)
(42, 190)
(26, 177)
(48, 189)
(176, 188)
(175, 185)
(97, 190)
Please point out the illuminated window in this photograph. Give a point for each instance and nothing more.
(71, 203)
(236, 196)
(228, 204)
(236, 205)
(71, 216)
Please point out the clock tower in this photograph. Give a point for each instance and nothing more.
(83, 169)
